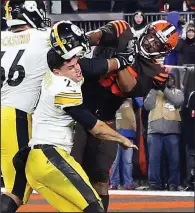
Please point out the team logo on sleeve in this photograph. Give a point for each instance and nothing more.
(76, 30)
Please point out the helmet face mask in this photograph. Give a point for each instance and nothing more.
(158, 39)
(151, 43)
(68, 40)
(26, 12)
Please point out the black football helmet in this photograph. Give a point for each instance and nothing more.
(21, 12)
(68, 40)
(3, 20)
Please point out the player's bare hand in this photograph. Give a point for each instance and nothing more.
(129, 144)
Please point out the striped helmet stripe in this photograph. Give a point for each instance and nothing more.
(169, 30)
(59, 42)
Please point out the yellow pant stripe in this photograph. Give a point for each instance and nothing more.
(14, 123)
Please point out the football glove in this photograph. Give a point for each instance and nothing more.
(125, 59)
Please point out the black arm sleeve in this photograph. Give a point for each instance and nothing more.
(109, 35)
(82, 116)
(93, 67)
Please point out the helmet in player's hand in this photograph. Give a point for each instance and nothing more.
(68, 40)
(158, 39)
(21, 12)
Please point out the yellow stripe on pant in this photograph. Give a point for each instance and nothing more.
(16, 128)
(60, 182)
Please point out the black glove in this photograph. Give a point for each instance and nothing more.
(125, 59)
(158, 86)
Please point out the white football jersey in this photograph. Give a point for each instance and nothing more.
(23, 65)
(51, 124)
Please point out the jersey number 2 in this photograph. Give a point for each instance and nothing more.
(14, 68)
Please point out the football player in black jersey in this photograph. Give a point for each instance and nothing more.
(158, 39)
(104, 96)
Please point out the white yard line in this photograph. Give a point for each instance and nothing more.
(137, 192)
(157, 193)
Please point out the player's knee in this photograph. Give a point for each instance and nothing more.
(8, 204)
(94, 207)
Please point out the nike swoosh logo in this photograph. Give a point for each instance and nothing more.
(72, 90)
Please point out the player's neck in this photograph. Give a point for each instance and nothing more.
(20, 28)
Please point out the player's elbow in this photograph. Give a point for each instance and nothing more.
(97, 129)
(126, 81)
(125, 86)
(94, 37)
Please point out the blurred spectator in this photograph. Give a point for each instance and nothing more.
(190, 147)
(74, 6)
(174, 5)
(86, 6)
(122, 168)
(188, 126)
(79, 6)
(164, 122)
(175, 19)
(186, 47)
(56, 7)
(99, 6)
(190, 5)
(146, 6)
(138, 22)
(116, 6)
(127, 6)
(140, 157)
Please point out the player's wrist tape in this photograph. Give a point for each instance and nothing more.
(118, 63)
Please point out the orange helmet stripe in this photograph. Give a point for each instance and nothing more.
(160, 79)
(165, 75)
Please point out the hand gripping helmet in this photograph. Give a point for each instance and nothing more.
(68, 40)
(21, 12)
(158, 39)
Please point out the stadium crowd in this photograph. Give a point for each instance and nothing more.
(139, 81)
(127, 6)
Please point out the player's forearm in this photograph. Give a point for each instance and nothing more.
(126, 81)
(104, 132)
(94, 37)
(113, 65)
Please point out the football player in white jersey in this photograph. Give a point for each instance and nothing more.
(23, 64)
(50, 169)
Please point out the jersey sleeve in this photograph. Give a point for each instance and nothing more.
(153, 69)
(112, 31)
(93, 67)
(162, 74)
(82, 116)
(68, 96)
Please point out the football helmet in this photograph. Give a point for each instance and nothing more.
(21, 12)
(68, 40)
(158, 40)
(3, 20)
